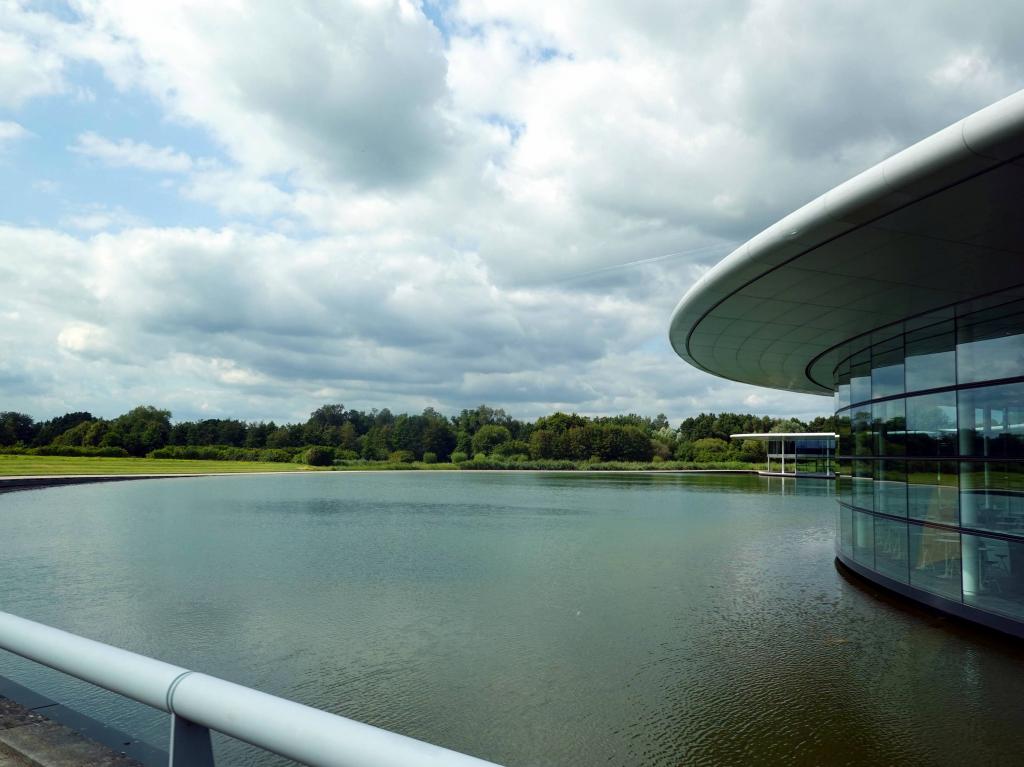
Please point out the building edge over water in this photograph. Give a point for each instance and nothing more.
(900, 293)
(796, 454)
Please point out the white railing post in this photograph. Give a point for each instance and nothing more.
(190, 744)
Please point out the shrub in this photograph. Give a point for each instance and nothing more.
(458, 457)
(712, 449)
(684, 451)
(753, 451)
(355, 462)
(345, 455)
(318, 455)
(429, 457)
(275, 455)
(224, 453)
(190, 452)
(497, 463)
(85, 452)
(401, 456)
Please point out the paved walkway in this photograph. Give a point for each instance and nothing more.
(8, 484)
(29, 739)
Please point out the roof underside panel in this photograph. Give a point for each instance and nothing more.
(939, 223)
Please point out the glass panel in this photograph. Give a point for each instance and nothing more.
(932, 491)
(931, 424)
(860, 425)
(994, 575)
(891, 487)
(992, 421)
(990, 344)
(860, 377)
(845, 435)
(863, 486)
(864, 539)
(935, 560)
(846, 530)
(930, 361)
(812, 456)
(843, 385)
(889, 426)
(891, 549)
(887, 369)
(843, 479)
(992, 496)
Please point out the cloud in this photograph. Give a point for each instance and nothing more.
(86, 339)
(248, 317)
(10, 132)
(131, 154)
(96, 218)
(506, 210)
(352, 91)
(27, 70)
(237, 193)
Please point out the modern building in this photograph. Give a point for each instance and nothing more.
(901, 294)
(796, 454)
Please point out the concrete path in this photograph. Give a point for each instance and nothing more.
(29, 739)
(27, 483)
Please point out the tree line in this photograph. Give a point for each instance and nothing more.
(333, 432)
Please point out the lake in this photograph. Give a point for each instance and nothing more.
(526, 618)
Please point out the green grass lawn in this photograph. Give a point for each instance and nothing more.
(27, 465)
(15, 465)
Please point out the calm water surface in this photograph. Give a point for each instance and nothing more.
(531, 619)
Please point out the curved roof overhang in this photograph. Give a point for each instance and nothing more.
(939, 223)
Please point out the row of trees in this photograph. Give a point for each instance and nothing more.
(380, 435)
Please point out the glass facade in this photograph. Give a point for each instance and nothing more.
(930, 455)
(802, 456)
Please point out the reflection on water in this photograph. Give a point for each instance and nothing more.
(527, 618)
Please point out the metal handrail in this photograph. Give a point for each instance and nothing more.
(199, 703)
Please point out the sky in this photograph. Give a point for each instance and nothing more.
(249, 209)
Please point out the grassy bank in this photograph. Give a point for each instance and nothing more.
(43, 465)
(30, 465)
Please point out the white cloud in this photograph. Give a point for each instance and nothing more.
(248, 320)
(351, 91)
(960, 68)
(401, 219)
(236, 193)
(27, 70)
(127, 153)
(11, 131)
(215, 369)
(82, 338)
(97, 218)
